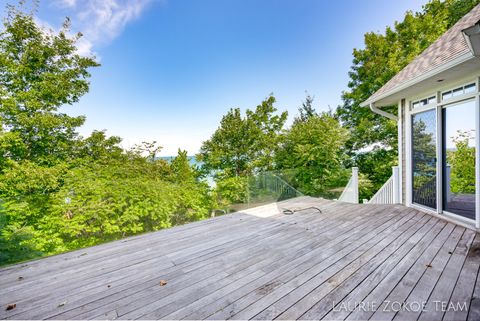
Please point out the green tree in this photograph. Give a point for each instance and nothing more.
(314, 149)
(98, 147)
(60, 191)
(26, 193)
(48, 210)
(182, 170)
(111, 201)
(424, 154)
(243, 144)
(462, 162)
(232, 190)
(39, 72)
(306, 110)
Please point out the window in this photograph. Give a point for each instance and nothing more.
(424, 102)
(459, 155)
(470, 88)
(424, 158)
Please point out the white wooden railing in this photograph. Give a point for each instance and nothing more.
(389, 193)
(350, 193)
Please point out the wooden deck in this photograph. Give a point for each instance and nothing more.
(349, 262)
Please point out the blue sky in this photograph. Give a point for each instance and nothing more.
(172, 68)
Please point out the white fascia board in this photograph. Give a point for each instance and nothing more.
(457, 61)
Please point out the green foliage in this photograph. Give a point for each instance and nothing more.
(384, 55)
(306, 110)
(39, 72)
(16, 244)
(366, 188)
(382, 161)
(98, 147)
(457, 9)
(462, 162)
(315, 149)
(232, 190)
(423, 154)
(242, 145)
(52, 209)
(26, 191)
(182, 171)
(60, 191)
(111, 201)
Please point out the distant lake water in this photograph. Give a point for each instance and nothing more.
(191, 159)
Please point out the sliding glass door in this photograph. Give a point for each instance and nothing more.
(424, 158)
(459, 158)
(443, 152)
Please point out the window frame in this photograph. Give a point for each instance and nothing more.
(439, 105)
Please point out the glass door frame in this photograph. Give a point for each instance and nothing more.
(439, 104)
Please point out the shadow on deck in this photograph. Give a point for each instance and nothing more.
(349, 262)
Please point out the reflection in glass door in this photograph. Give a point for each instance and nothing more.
(459, 159)
(424, 158)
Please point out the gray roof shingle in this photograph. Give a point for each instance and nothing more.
(452, 44)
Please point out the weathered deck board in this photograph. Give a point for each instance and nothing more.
(310, 268)
(375, 287)
(261, 264)
(425, 285)
(464, 287)
(151, 302)
(321, 299)
(194, 315)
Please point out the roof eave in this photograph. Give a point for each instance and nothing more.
(454, 62)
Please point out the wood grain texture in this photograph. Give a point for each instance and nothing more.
(261, 264)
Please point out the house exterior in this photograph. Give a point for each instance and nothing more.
(438, 119)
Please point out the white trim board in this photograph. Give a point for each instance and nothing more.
(451, 218)
(425, 76)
